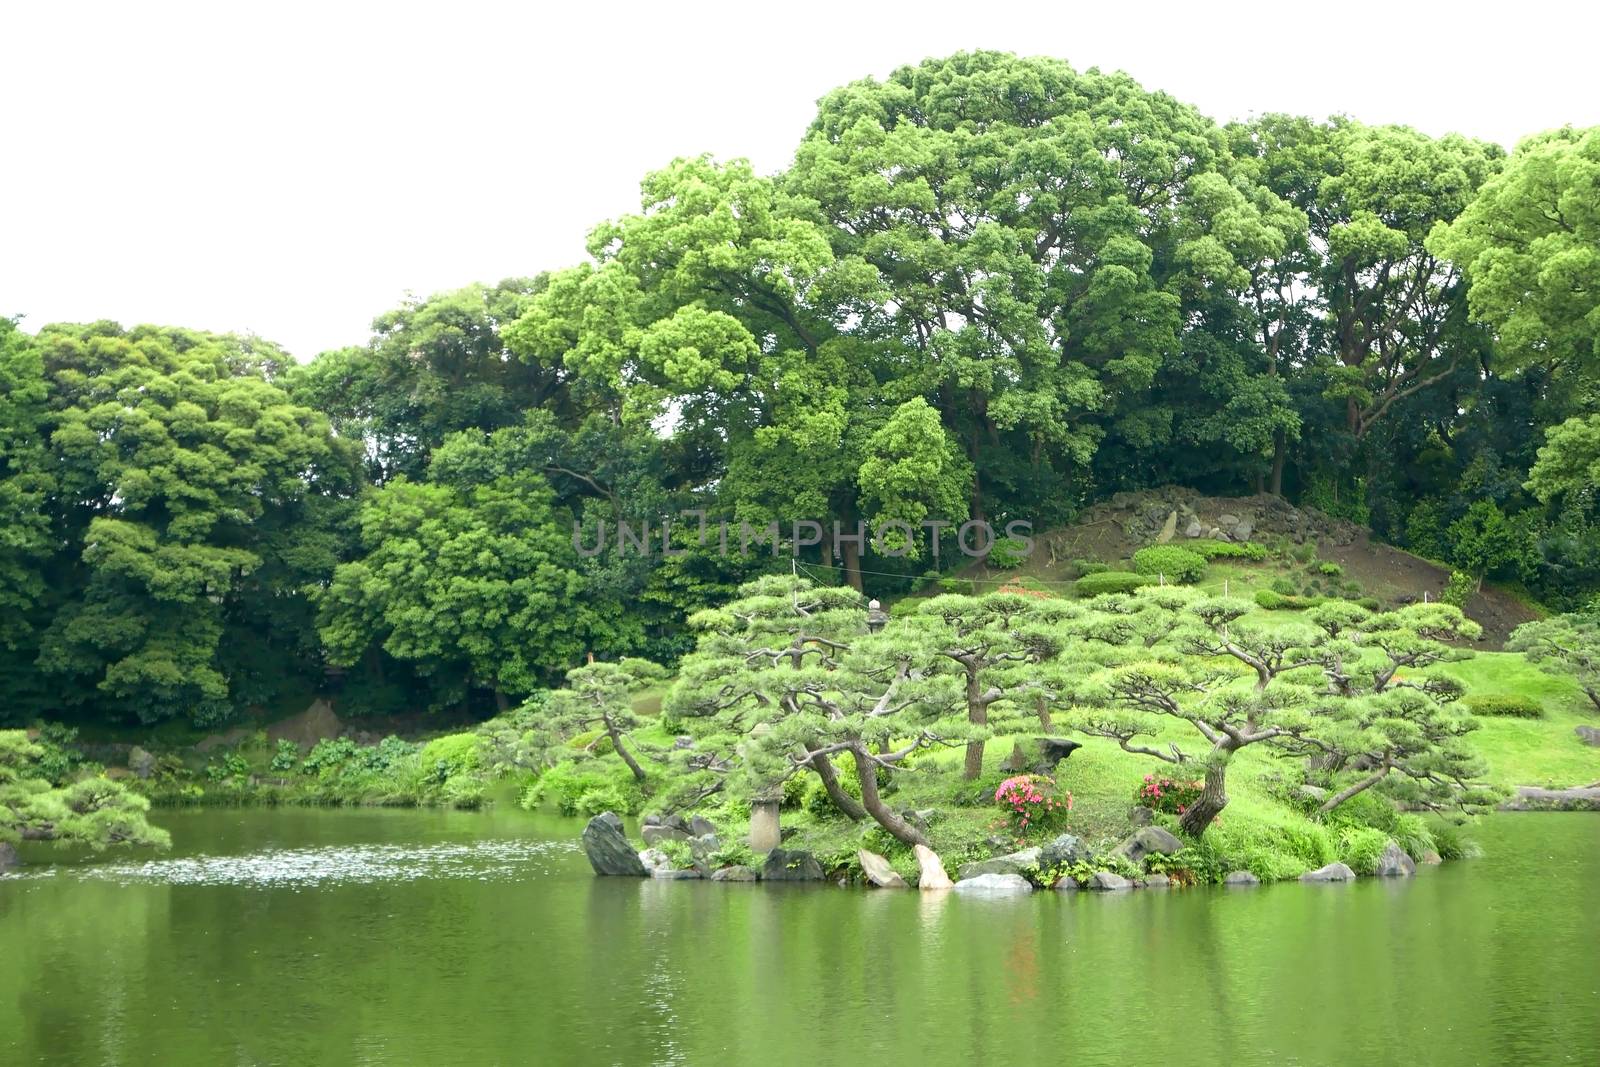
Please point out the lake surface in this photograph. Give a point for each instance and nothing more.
(303, 937)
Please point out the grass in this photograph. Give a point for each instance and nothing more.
(1544, 752)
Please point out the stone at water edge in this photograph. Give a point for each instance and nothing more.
(1108, 880)
(1156, 881)
(1063, 851)
(996, 883)
(932, 874)
(8, 857)
(668, 874)
(1146, 841)
(791, 865)
(140, 762)
(1014, 863)
(1394, 863)
(701, 849)
(1240, 878)
(1333, 872)
(654, 859)
(608, 849)
(1430, 857)
(878, 872)
(736, 873)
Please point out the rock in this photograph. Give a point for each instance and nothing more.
(699, 826)
(1157, 881)
(608, 849)
(654, 859)
(140, 762)
(1066, 885)
(1243, 530)
(8, 857)
(1147, 840)
(316, 723)
(737, 873)
(878, 872)
(1226, 520)
(1017, 761)
(1589, 735)
(1052, 750)
(931, 872)
(765, 833)
(1168, 528)
(1140, 815)
(682, 741)
(791, 865)
(1063, 851)
(996, 883)
(1015, 863)
(671, 875)
(1394, 863)
(1107, 880)
(1430, 857)
(1240, 878)
(1333, 872)
(702, 848)
(1194, 529)
(656, 833)
(1310, 794)
(1533, 798)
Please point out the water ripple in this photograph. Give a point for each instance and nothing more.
(482, 861)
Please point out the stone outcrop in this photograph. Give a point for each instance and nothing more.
(736, 873)
(1240, 878)
(1064, 850)
(1333, 872)
(1394, 863)
(791, 865)
(878, 872)
(1108, 880)
(931, 870)
(608, 849)
(1148, 840)
(996, 883)
(1014, 863)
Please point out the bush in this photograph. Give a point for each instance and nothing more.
(1007, 553)
(1086, 567)
(1091, 585)
(1031, 802)
(1283, 585)
(1360, 848)
(1371, 603)
(1459, 590)
(1160, 793)
(1210, 548)
(1504, 705)
(572, 786)
(959, 586)
(450, 755)
(1271, 601)
(1330, 570)
(1176, 564)
(285, 757)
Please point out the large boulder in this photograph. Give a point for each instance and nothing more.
(878, 872)
(1394, 863)
(996, 883)
(702, 849)
(1156, 881)
(673, 875)
(1063, 851)
(1589, 735)
(737, 873)
(791, 865)
(1015, 863)
(1052, 750)
(608, 849)
(316, 723)
(1108, 880)
(140, 762)
(1333, 872)
(1147, 840)
(931, 871)
(700, 826)
(655, 834)
(1240, 878)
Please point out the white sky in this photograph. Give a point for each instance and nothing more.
(293, 171)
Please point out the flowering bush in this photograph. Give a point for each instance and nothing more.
(1030, 801)
(1160, 793)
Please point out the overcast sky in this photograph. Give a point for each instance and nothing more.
(295, 171)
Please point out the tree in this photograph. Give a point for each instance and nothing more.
(1569, 462)
(97, 811)
(602, 694)
(1530, 245)
(1567, 645)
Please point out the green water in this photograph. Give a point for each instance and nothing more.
(373, 937)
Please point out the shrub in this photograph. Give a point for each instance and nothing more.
(568, 784)
(1086, 567)
(1329, 569)
(1031, 801)
(1091, 585)
(1370, 603)
(1214, 549)
(1174, 563)
(959, 586)
(450, 755)
(1451, 844)
(1283, 586)
(1360, 848)
(1510, 705)
(1459, 590)
(1271, 601)
(733, 853)
(1160, 793)
(286, 756)
(1007, 553)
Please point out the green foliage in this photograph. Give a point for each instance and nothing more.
(1007, 553)
(1092, 585)
(1212, 549)
(1360, 848)
(1504, 704)
(586, 787)
(1171, 562)
(451, 755)
(1164, 794)
(96, 811)
(1459, 589)
(1330, 570)
(1274, 601)
(285, 757)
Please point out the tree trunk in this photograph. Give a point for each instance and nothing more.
(1280, 449)
(885, 816)
(1593, 695)
(1041, 704)
(830, 783)
(1356, 787)
(851, 554)
(622, 750)
(1209, 804)
(977, 713)
(501, 704)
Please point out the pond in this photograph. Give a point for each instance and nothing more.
(305, 937)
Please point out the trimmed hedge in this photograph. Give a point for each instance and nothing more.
(1504, 705)
(1211, 548)
(1111, 582)
(1266, 598)
(1174, 563)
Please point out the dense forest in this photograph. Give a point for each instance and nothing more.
(987, 287)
